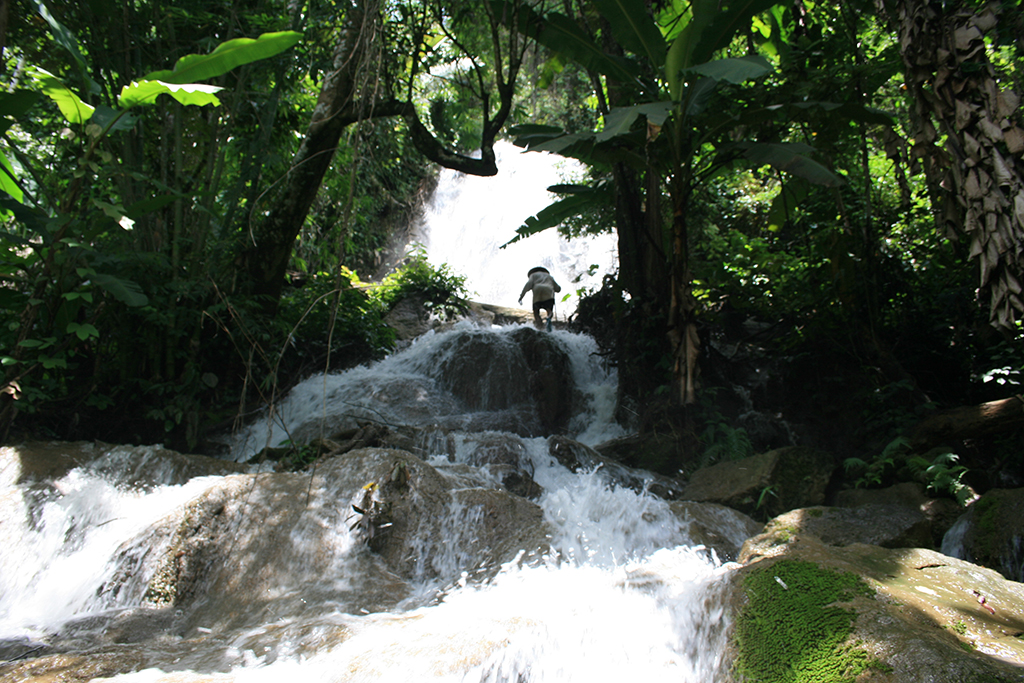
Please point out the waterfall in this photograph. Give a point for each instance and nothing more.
(617, 587)
(466, 549)
(469, 218)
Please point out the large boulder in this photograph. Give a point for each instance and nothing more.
(889, 526)
(524, 369)
(579, 457)
(550, 378)
(804, 610)
(716, 527)
(410, 318)
(940, 513)
(139, 466)
(656, 451)
(991, 533)
(228, 548)
(765, 485)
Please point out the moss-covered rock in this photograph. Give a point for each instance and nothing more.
(865, 613)
(994, 535)
(767, 484)
(793, 628)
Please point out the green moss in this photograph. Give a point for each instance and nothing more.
(792, 632)
(987, 541)
(781, 534)
(986, 512)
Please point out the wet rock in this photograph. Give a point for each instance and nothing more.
(438, 524)
(504, 456)
(550, 378)
(234, 548)
(494, 449)
(522, 370)
(765, 430)
(141, 466)
(889, 526)
(941, 513)
(914, 615)
(765, 485)
(991, 533)
(717, 527)
(579, 457)
(74, 667)
(485, 372)
(409, 318)
(657, 452)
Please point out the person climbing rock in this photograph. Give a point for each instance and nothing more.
(544, 288)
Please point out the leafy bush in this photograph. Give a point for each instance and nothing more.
(939, 470)
(443, 291)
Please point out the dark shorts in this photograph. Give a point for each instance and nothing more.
(548, 305)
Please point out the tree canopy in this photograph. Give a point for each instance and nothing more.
(186, 187)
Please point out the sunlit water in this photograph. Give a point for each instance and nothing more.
(469, 219)
(622, 592)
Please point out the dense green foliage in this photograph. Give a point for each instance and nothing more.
(128, 314)
(756, 164)
(864, 307)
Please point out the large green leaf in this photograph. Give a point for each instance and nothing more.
(7, 176)
(793, 192)
(634, 28)
(66, 39)
(562, 35)
(620, 119)
(734, 69)
(720, 22)
(125, 291)
(790, 157)
(112, 120)
(697, 95)
(31, 218)
(15, 104)
(528, 133)
(146, 92)
(581, 200)
(227, 56)
(680, 54)
(70, 104)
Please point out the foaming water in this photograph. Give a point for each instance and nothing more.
(404, 389)
(614, 588)
(59, 543)
(541, 624)
(470, 218)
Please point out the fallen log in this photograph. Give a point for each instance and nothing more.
(967, 422)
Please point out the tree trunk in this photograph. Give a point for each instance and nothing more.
(977, 181)
(968, 422)
(266, 257)
(339, 105)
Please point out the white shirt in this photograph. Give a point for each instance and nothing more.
(543, 286)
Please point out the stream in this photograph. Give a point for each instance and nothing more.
(616, 589)
(176, 568)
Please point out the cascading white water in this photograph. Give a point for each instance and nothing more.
(621, 592)
(402, 389)
(469, 218)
